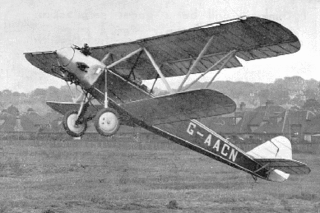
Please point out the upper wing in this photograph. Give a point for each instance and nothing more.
(252, 38)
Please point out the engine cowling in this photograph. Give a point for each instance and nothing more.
(86, 68)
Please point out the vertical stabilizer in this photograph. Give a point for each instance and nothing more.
(278, 147)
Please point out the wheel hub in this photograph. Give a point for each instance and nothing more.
(73, 125)
(108, 122)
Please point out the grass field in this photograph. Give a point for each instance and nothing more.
(79, 176)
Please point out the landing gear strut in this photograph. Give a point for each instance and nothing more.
(106, 121)
(74, 121)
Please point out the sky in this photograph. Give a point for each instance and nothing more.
(37, 25)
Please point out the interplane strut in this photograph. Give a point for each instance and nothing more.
(124, 58)
(230, 55)
(225, 58)
(163, 78)
(105, 58)
(195, 63)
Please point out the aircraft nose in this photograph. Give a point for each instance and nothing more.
(65, 56)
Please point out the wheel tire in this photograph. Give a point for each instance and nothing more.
(69, 120)
(107, 122)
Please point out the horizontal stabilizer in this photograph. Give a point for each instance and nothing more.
(288, 166)
(181, 106)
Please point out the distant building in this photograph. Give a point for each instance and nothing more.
(312, 130)
(265, 122)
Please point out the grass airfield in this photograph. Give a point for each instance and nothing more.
(126, 176)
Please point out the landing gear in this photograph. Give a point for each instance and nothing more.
(74, 121)
(72, 125)
(107, 122)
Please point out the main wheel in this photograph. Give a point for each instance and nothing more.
(107, 122)
(69, 124)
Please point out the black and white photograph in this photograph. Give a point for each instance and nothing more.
(159, 106)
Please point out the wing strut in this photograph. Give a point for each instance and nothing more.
(163, 78)
(105, 58)
(195, 63)
(222, 66)
(154, 83)
(112, 65)
(106, 88)
(225, 58)
(124, 58)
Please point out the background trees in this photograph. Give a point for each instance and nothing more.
(288, 92)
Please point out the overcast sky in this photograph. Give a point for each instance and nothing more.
(37, 25)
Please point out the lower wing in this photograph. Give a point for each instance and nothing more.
(180, 106)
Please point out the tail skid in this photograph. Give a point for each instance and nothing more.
(276, 155)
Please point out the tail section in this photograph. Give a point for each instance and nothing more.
(276, 155)
(278, 147)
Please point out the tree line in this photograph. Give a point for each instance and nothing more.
(287, 92)
(37, 98)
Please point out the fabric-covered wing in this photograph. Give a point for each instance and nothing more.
(180, 106)
(252, 38)
(286, 165)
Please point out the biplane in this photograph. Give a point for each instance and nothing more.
(112, 75)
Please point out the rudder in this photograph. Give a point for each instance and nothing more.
(278, 147)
